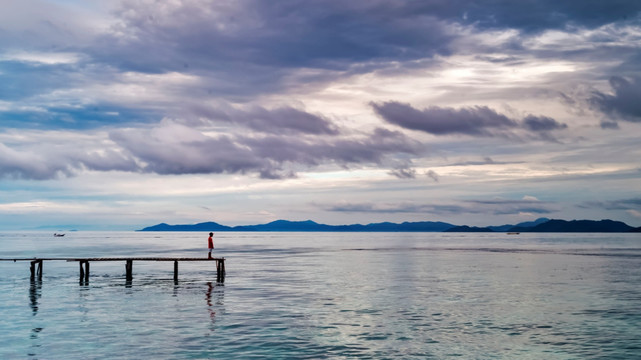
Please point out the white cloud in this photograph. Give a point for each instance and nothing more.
(50, 58)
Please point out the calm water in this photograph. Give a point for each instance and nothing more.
(326, 295)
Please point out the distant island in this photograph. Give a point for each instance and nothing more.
(539, 225)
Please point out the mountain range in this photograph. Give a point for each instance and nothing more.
(539, 225)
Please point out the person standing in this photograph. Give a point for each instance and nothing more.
(210, 243)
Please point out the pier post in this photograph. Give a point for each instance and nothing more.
(128, 270)
(175, 270)
(86, 271)
(39, 272)
(220, 270)
(35, 272)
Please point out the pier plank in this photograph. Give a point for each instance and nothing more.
(84, 265)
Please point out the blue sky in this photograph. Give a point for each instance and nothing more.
(120, 115)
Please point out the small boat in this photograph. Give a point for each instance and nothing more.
(513, 233)
(58, 235)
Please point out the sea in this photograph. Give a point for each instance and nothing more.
(307, 295)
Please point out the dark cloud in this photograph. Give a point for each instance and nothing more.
(605, 124)
(404, 173)
(63, 160)
(371, 149)
(542, 123)
(506, 207)
(478, 120)
(497, 207)
(390, 208)
(252, 40)
(485, 161)
(328, 34)
(432, 175)
(624, 103)
(621, 204)
(280, 120)
(249, 47)
(176, 149)
(474, 121)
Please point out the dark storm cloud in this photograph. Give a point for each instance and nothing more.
(624, 103)
(474, 121)
(239, 49)
(325, 33)
(251, 46)
(246, 38)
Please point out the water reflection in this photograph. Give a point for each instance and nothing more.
(35, 292)
(214, 296)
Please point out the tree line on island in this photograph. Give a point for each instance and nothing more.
(539, 225)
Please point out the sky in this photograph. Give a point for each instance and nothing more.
(120, 115)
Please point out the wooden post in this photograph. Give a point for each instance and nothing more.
(39, 272)
(128, 270)
(82, 271)
(86, 271)
(33, 270)
(220, 270)
(175, 270)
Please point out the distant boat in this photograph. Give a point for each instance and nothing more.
(58, 235)
(513, 233)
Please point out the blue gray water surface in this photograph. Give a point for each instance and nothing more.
(325, 295)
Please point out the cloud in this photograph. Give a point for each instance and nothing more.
(624, 102)
(507, 207)
(436, 120)
(473, 121)
(495, 206)
(51, 161)
(249, 47)
(605, 124)
(276, 121)
(432, 175)
(172, 148)
(403, 173)
(620, 204)
(542, 123)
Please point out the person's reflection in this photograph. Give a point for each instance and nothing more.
(35, 292)
(212, 313)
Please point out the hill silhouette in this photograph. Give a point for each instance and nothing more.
(576, 226)
(309, 225)
(539, 225)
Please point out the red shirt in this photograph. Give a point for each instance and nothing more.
(210, 242)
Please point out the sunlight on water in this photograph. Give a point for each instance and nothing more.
(326, 295)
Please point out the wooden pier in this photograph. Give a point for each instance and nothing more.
(36, 265)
